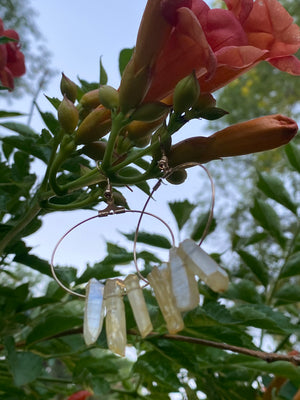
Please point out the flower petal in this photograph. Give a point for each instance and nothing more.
(289, 64)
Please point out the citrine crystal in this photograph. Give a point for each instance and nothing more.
(93, 312)
(184, 284)
(115, 316)
(202, 265)
(138, 304)
(159, 279)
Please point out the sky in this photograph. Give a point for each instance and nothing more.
(77, 35)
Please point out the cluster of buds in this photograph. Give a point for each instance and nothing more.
(175, 289)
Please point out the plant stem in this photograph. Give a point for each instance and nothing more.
(118, 122)
(23, 222)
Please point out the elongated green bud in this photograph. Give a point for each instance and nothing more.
(67, 115)
(109, 97)
(68, 88)
(186, 93)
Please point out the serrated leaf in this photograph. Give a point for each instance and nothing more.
(150, 238)
(243, 290)
(98, 271)
(53, 325)
(54, 101)
(293, 154)
(34, 262)
(292, 266)
(258, 268)
(103, 75)
(287, 294)
(124, 57)
(22, 129)
(200, 226)
(181, 211)
(28, 145)
(263, 317)
(268, 219)
(273, 187)
(25, 366)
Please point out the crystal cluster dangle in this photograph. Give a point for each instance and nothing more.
(175, 288)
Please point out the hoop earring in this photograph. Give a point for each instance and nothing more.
(109, 297)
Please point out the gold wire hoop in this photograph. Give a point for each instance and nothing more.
(105, 213)
(213, 193)
(163, 165)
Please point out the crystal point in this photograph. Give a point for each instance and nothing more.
(184, 284)
(115, 316)
(93, 312)
(202, 265)
(138, 304)
(159, 279)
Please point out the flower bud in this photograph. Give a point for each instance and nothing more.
(186, 93)
(133, 87)
(138, 129)
(109, 97)
(95, 150)
(67, 115)
(177, 177)
(96, 125)
(259, 134)
(90, 99)
(149, 112)
(68, 88)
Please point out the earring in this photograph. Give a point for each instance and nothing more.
(173, 282)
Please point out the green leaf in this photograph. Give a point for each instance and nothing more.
(213, 113)
(243, 290)
(278, 368)
(131, 172)
(33, 262)
(268, 219)
(6, 39)
(200, 226)
(6, 114)
(52, 325)
(25, 366)
(150, 238)
(182, 211)
(103, 75)
(54, 101)
(22, 129)
(98, 271)
(273, 187)
(263, 317)
(29, 145)
(292, 266)
(258, 267)
(293, 154)
(124, 57)
(287, 294)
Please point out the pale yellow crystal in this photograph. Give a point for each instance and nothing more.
(202, 265)
(159, 279)
(184, 284)
(115, 316)
(93, 311)
(138, 304)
